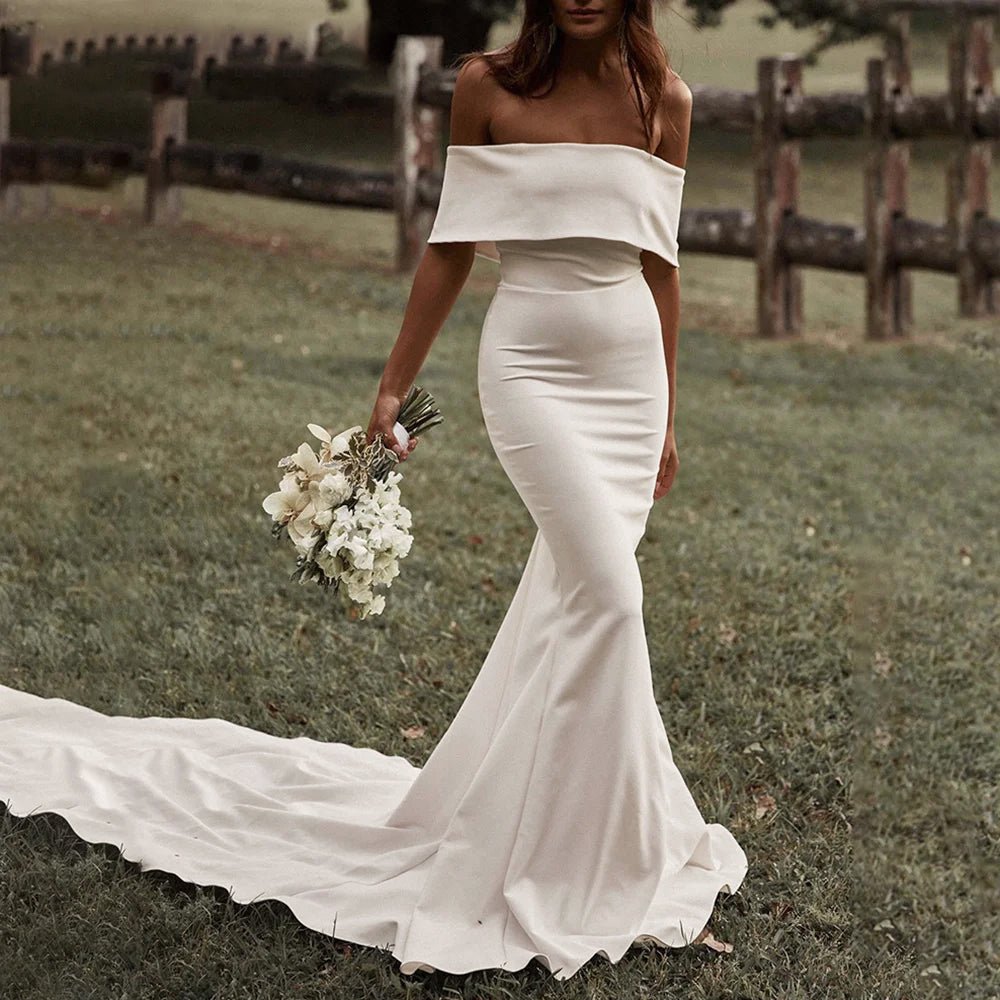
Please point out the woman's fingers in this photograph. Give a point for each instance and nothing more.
(669, 463)
(382, 427)
(408, 450)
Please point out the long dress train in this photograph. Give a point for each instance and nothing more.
(550, 822)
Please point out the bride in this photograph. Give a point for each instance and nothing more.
(550, 822)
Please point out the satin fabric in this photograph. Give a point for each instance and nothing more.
(550, 822)
(547, 190)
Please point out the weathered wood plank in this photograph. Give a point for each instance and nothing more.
(418, 145)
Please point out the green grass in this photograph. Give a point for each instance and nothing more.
(136, 578)
(821, 583)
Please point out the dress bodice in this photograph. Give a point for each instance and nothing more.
(550, 190)
(566, 263)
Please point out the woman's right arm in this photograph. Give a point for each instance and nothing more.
(440, 275)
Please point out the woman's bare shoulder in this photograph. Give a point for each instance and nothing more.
(475, 71)
(472, 102)
(674, 113)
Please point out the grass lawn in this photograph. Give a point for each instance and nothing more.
(821, 606)
(822, 582)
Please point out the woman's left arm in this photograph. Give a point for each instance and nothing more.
(664, 282)
(663, 277)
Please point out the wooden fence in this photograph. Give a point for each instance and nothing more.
(779, 115)
(241, 68)
(28, 56)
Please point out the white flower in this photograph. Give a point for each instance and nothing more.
(287, 502)
(360, 555)
(330, 563)
(375, 606)
(307, 461)
(333, 446)
(304, 543)
(330, 491)
(385, 573)
(358, 547)
(342, 441)
(336, 540)
(358, 590)
(301, 527)
(366, 560)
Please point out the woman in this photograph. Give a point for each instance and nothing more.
(567, 152)
(549, 822)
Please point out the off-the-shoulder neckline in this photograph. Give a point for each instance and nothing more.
(598, 145)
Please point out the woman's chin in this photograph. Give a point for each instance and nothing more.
(585, 32)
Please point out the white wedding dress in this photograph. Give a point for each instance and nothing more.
(550, 822)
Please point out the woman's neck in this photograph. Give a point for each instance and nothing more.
(594, 58)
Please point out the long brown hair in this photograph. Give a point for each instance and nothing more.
(529, 63)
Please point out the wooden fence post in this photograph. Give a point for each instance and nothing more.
(32, 54)
(417, 145)
(192, 59)
(203, 57)
(10, 194)
(776, 186)
(168, 126)
(970, 80)
(888, 288)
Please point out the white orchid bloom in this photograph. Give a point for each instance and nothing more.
(342, 441)
(301, 526)
(307, 460)
(333, 446)
(287, 502)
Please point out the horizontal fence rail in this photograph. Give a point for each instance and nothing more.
(885, 116)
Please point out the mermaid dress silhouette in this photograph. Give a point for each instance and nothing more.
(550, 822)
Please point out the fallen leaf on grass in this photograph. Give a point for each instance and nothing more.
(709, 940)
(412, 732)
(765, 803)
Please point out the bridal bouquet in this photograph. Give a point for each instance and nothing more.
(341, 508)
